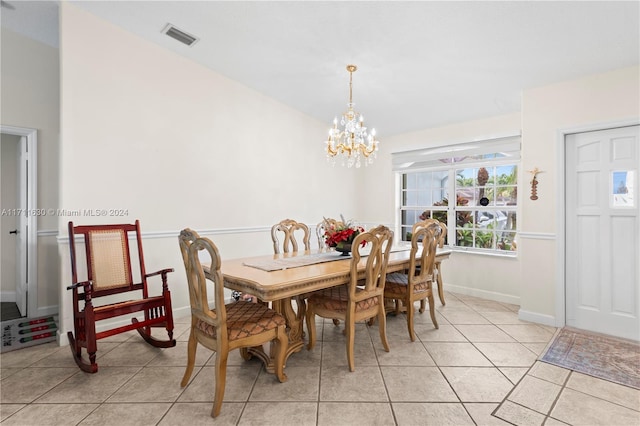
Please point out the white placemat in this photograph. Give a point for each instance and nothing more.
(310, 259)
(295, 262)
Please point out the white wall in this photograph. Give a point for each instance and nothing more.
(536, 277)
(178, 145)
(30, 99)
(589, 103)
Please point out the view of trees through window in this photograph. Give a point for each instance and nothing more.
(483, 216)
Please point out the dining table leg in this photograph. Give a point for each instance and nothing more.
(295, 321)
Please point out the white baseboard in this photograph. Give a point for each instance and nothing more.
(61, 337)
(505, 298)
(537, 317)
(8, 296)
(44, 311)
(489, 295)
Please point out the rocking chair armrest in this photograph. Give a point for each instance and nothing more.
(163, 272)
(86, 284)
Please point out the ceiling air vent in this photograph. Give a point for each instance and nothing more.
(179, 35)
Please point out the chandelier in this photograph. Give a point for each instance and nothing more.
(352, 143)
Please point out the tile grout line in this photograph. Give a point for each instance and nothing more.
(384, 382)
(483, 354)
(320, 370)
(494, 412)
(387, 387)
(555, 401)
(597, 397)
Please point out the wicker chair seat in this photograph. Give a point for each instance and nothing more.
(397, 283)
(128, 303)
(245, 319)
(336, 299)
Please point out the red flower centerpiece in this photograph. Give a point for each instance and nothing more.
(340, 235)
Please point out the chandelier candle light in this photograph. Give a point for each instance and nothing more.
(353, 142)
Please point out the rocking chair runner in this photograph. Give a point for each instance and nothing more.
(108, 265)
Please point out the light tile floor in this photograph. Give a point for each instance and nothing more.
(459, 374)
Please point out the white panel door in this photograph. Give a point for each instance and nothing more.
(602, 231)
(23, 229)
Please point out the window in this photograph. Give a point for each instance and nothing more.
(482, 178)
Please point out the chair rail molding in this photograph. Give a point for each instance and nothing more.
(537, 235)
(64, 239)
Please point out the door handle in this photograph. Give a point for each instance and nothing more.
(15, 231)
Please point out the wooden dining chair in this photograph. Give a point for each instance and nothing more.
(227, 327)
(289, 228)
(416, 283)
(436, 270)
(321, 229)
(361, 299)
(438, 264)
(106, 284)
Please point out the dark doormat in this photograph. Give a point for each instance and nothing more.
(24, 332)
(9, 311)
(606, 357)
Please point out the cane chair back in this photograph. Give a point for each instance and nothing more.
(361, 299)
(226, 327)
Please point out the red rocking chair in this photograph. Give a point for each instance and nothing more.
(109, 276)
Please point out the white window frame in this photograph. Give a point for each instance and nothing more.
(431, 160)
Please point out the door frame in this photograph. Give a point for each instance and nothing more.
(31, 186)
(561, 246)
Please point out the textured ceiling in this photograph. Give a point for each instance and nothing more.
(421, 64)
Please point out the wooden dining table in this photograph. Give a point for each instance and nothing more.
(292, 282)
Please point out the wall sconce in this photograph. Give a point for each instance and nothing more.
(534, 183)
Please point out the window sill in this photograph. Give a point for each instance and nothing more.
(481, 252)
